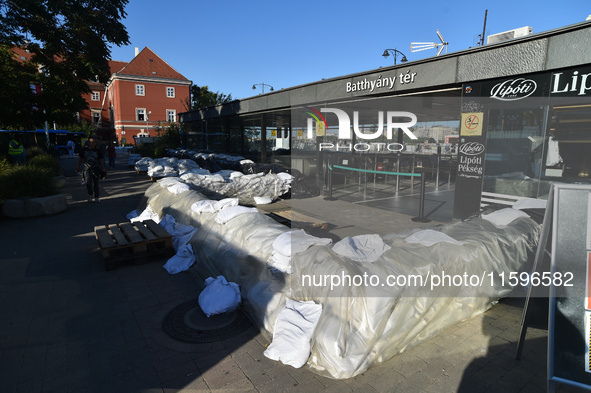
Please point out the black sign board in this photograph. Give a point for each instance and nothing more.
(470, 169)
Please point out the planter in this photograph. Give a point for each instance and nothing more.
(32, 207)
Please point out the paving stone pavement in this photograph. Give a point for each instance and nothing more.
(68, 325)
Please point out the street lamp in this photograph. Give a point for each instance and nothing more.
(262, 86)
(394, 52)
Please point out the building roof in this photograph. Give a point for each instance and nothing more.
(148, 63)
(116, 66)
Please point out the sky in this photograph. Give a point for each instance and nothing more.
(230, 45)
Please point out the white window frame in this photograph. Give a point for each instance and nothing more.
(95, 116)
(170, 112)
(142, 112)
(95, 96)
(140, 90)
(169, 90)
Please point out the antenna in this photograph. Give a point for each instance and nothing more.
(418, 46)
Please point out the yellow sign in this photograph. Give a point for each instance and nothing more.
(471, 124)
(300, 133)
(320, 131)
(273, 132)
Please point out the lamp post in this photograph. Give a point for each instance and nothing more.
(147, 120)
(262, 86)
(394, 52)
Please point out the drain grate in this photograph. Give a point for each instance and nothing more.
(188, 323)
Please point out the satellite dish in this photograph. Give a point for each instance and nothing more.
(419, 46)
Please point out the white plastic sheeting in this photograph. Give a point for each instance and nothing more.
(360, 325)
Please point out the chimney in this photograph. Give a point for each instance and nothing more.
(137, 51)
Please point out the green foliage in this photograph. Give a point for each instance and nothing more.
(4, 165)
(71, 39)
(34, 151)
(46, 161)
(83, 126)
(26, 181)
(202, 97)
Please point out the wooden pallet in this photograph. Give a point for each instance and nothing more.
(132, 242)
(298, 220)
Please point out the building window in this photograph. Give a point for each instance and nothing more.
(139, 90)
(96, 116)
(96, 96)
(171, 115)
(170, 92)
(140, 114)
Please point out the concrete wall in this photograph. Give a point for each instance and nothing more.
(560, 48)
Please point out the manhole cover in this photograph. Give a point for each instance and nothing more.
(188, 323)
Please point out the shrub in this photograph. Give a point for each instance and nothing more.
(4, 165)
(26, 181)
(46, 161)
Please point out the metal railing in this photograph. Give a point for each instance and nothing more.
(420, 218)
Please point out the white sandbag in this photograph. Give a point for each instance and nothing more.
(229, 213)
(429, 237)
(183, 260)
(178, 188)
(362, 248)
(281, 263)
(504, 216)
(219, 296)
(262, 200)
(147, 214)
(226, 202)
(181, 234)
(294, 328)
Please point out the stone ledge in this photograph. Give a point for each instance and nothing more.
(32, 207)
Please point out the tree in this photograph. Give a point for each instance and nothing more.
(202, 97)
(69, 41)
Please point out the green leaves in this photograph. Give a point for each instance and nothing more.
(70, 40)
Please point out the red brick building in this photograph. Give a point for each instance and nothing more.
(140, 97)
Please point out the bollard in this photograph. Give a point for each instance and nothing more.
(330, 169)
(421, 217)
(398, 176)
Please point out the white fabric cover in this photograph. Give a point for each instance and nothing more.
(219, 296)
(181, 261)
(295, 241)
(289, 243)
(228, 213)
(293, 331)
(428, 237)
(362, 248)
(359, 327)
(530, 203)
(504, 216)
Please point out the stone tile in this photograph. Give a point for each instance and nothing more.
(225, 373)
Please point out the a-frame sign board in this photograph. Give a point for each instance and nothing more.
(567, 226)
(535, 312)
